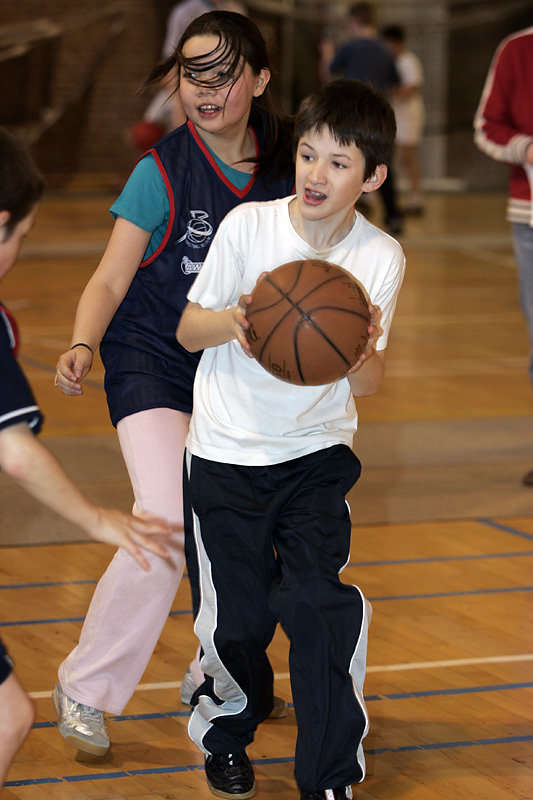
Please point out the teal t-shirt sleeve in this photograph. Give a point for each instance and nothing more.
(144, 199)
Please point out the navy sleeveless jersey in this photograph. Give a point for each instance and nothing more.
(145, 365)
(17, 403)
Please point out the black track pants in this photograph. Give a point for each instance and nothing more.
(267, 543)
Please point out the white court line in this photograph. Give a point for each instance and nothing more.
(280, 676)
(457, 662)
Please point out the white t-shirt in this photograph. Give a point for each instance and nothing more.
(241, 413)
(409, 69)
(409, 111)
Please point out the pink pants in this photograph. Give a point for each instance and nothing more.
(130, 606)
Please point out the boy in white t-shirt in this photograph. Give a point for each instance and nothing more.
(269, 464)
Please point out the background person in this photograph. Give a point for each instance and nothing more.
(504, 131)
(408, 105)
(364, 57)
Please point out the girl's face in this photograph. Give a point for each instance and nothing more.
(215, 100)
(9, 248)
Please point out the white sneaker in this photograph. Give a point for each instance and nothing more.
(189, 686)
(82, 726)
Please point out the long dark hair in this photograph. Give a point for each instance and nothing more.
(21, 184)
(240, 42)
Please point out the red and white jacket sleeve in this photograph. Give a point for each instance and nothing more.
(504, 119)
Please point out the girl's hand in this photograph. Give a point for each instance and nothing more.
(71, 369)
(374, 332)
(132, 533)
(241, 324)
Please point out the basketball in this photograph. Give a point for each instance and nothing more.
(308, 322)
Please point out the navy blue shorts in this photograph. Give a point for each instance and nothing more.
(6, 665)
(137, 381)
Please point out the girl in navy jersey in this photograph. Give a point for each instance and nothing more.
(233, 148)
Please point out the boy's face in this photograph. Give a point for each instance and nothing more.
(329, 176)
(9, 248)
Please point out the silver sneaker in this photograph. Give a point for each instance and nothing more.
(189, 686)
(82, 726)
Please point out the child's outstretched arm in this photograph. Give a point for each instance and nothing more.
(201, 327)
(36, 469)
(100, 299)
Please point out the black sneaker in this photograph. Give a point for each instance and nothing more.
(340, 793)
(230, 775)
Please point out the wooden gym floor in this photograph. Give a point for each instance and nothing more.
(449, 688)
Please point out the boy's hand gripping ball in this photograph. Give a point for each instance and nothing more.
(308, 322)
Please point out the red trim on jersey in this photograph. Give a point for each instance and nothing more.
(171, 214)
(205, 150)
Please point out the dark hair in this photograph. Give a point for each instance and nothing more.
(354, 113)
(240, 42)
(364, 13)
(21, 184)
(394, 33)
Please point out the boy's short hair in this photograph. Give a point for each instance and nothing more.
(21, 184)
(363, 13)
(395, 33)
(354, 113)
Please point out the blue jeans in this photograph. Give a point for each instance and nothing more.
(523, 248)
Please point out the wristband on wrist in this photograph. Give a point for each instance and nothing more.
(82, 344)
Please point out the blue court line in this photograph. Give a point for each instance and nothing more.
(503, 590)
(47, 585)
(437, 559)
(384, 598)
(52, 620)
(448, 745)
(499, 526)
(94, 776)
(379, 563)
(501, 687)
(132, 717)
(497, 687)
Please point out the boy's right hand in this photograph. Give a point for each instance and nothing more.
(71, 369)
(241, 324)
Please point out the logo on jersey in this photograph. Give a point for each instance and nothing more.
(189, 267)
(198, 231)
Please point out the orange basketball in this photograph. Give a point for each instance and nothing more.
(308, 322)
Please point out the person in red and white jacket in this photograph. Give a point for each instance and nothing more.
(504, 131)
